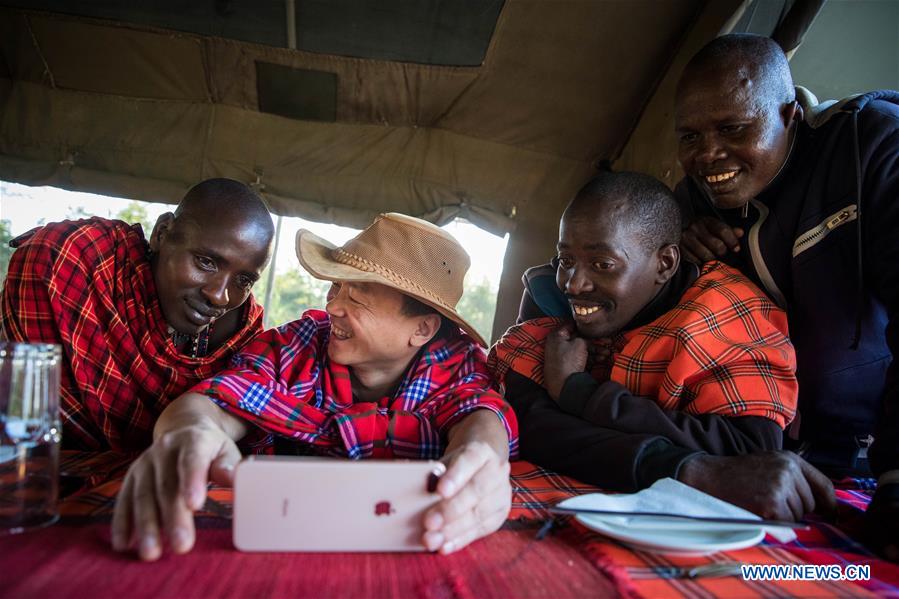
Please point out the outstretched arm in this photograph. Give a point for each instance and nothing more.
(773, 484)
(611, 405)
(194, 442)
(593, 454)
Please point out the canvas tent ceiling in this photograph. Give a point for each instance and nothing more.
(167, 109)
(133, 110)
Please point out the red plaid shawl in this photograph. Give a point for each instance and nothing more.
(284, 382)
(87, 285)
(723, 349)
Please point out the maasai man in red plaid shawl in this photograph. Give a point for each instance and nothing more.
(139, 322)
(653, 362)
(389, 370)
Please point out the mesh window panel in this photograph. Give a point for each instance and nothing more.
(438, 32)
(296, 93)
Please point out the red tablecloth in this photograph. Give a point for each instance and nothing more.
(73, 559)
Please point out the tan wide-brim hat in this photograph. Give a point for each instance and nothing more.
(409, 254)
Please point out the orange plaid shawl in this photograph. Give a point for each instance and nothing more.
(723, 349)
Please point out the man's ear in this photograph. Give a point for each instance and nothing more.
(428, 325)
(669, 260)
(160, 229)
(789, 112)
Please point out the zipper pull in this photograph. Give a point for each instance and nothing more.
(838, 219)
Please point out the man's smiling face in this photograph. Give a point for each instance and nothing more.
(369, 328)
(604, 270)
(203, 271)
(731, 141)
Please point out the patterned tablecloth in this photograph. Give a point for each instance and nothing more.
(73, 557)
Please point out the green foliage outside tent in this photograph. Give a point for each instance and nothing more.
(478, 305)
(293, 292)
(5, 250)
(136, 212)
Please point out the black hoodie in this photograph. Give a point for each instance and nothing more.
(823, 240)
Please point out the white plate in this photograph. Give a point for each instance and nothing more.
(685, 542)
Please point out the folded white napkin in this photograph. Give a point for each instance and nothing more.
(671, 497)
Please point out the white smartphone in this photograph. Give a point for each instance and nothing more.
(288, 503)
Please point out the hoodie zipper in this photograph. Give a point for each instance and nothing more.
(811, 237)
(758, 261)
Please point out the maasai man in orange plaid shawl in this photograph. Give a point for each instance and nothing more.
(139, 323)
(654, 361)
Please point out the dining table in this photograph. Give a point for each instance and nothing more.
(534, 554)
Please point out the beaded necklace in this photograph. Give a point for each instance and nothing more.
(197, 345)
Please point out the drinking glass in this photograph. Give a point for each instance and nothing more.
(29, 435)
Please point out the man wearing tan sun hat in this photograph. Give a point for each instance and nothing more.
(420, 260)
(389, 370)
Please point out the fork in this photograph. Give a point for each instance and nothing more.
(717, 570)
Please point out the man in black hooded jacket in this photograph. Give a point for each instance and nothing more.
(804, 199)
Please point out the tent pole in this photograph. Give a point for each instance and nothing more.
(270, 281)
(291, 24)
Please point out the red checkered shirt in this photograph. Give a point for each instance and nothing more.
(284, 382)
(723, 349)
(88, 286)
